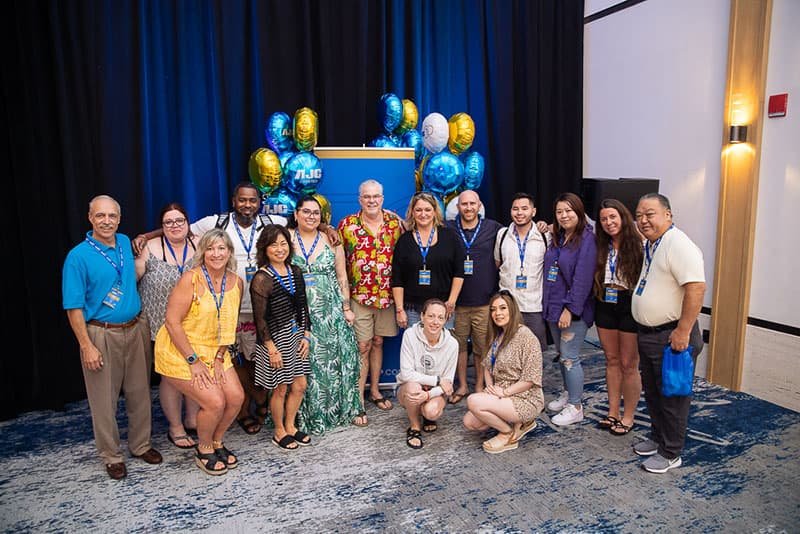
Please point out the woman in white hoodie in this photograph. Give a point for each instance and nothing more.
(428, 358)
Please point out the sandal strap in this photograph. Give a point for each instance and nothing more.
(413, 433)
(212, 458)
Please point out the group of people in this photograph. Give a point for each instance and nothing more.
(250, 315)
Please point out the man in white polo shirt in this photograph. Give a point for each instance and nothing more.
(665, 304)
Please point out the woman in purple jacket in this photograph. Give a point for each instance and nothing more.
(567, 302)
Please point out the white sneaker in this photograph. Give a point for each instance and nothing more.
(569, 415)
(558, 404)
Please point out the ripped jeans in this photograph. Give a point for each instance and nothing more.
(568, 343)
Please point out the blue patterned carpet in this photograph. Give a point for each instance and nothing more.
(740, 472)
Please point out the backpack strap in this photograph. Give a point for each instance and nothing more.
(505, 233)
(222, 220)
(264, 219)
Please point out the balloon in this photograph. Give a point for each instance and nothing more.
(325, 207)
(278, 132)
(413, 139)
(306, 129)
(385, 140)
(281, 202)
(390, 111)
(435, 132)
(265, 170)
(286, 156)
(452, 207)
(462, 133)
(443, 173)
(409, 119)
(303, 173)
(473, 169)
(418, 179)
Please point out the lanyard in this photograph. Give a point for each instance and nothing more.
(303, 248)
(495, 343)
(291, 287)
(521, 247)
(469, 243)
(424, 251)
(247, 248)
(217, 300)
(116, 267)
(174, 257)
(612, 261)
(648, 256)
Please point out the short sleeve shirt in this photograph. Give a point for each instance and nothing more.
(506, 249)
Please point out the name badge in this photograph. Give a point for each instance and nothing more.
(640, 289)
(612, 294)
(552, 273)
(424, 277)
(250, 272)
(522, 282)
(113, 297)
(310, 279)
(295, 328)
(468, 266)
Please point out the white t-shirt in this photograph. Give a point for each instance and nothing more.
(529, 299)
(677, 261)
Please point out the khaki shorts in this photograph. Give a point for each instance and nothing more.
(246, 336)
(371, 322)
(472, 322)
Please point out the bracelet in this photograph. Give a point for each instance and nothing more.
(400, 311)
(307, 338)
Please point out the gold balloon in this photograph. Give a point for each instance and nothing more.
(410, 117)
(265, 170)
(418, 173)
(450, 197)
(306, 129)
(462, 133)
(325, 207)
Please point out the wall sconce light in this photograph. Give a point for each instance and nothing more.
(738, 134)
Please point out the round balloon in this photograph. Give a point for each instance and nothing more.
(325, 208)
(303, 173)
(452, 207)
(474, 166)
(409, 119)
(384, 140)
(443, 173)
(278, 132)
(306, 129)
(434, 132)
(286, 156)
(264, 169)
(281, 202)
(413, 139)
(418, 179)
(390, 112)
(462, 133)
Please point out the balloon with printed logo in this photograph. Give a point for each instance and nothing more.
(384, 140)
(409, 119)
(413, 139)
(461, 133)
(279, 132)
(390, 112)
(303, 173)
(435, 132)
(265, 170)
(305, 128)
(443, 173)
(474, 166)
(325, 208)
(281, 202)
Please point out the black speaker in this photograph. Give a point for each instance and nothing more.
(626, 190)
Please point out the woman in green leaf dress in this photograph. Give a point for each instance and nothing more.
(332, 397)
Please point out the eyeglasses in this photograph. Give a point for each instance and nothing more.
(174, 223)
(310, 213)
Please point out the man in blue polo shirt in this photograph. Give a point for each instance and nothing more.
(102, 304)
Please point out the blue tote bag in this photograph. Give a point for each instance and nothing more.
(677, 372)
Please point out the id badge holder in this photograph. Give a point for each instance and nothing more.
(522, 282)
(468, 266)
(250, 272)
(113, 296)
(552, 273)
(424, 277)
(612, 294)
(310, 279)
(295, 328)
(640, 288)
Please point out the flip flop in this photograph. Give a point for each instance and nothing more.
(184, 437)
(455, 398)
(285, 443)
(382, 403)
(362, 416)
(620, 429)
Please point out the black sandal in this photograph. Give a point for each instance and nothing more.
(302, 438)
(412, 433)
(262, 410)
(211, 459)
(428, 425)
(607, 423)
(249, 424)
(225, 455)
(620, 429)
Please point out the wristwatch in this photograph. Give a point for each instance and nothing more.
(192, 358)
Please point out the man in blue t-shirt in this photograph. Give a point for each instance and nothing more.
(103, 306)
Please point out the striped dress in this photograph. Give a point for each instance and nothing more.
(282, 318)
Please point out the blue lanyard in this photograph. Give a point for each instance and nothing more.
(303, 248)
(171, 251)
(562, 240)
(424, 251)
(116, 267)
(612, 261)
(521, 247)
(217, 300)
(648, 256)
(291, 289)
(248, 247)
(469, 243)
(495, 343)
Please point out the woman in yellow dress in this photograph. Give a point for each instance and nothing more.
(191, 349)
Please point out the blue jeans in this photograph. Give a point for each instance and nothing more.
(414, 317)
(569, 351)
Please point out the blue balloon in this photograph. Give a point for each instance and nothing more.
(302, 173)
(443, 173)
(279, 133)
(413, 139)
(286, 156)
(390, 112)
(281, 202)
(385, 140)
(474, 166)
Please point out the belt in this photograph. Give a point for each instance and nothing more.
(660, 328)
(102, 324)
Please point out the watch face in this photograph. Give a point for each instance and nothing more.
(192, 358)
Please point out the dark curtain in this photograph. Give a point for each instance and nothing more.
(155, 101)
